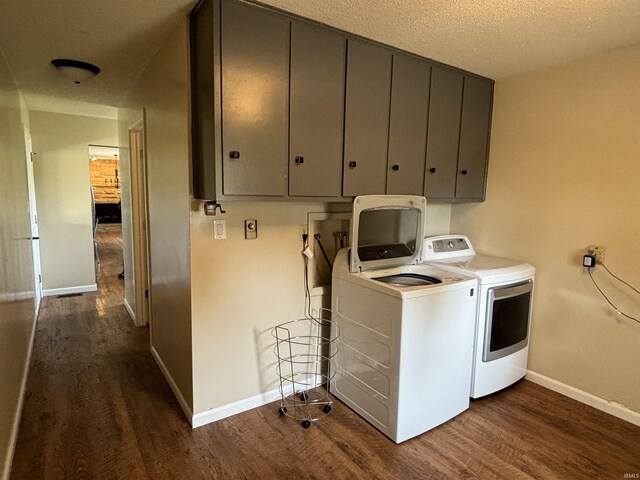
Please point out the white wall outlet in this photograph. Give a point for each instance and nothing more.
(597, 251)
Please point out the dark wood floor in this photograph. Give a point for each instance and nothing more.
(97, 407)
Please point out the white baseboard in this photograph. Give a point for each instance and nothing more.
(612, 408)
(130, 311)
(16, 296)
(234, 408)
(69, 290)
(174, 386)
(15, 425)
(224, 411)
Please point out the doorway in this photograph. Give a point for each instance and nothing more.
(106, 196)
(139, 224)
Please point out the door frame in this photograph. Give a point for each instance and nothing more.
(140, 219)
(33, 219)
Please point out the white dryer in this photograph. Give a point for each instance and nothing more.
(406, 329)
(505, 298)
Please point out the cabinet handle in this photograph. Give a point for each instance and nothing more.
(463, 172)
(432, 170)
(352, 164)
(234, 154)
(395, 168)
(299, 160)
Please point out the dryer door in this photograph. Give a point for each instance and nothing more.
(386, 231)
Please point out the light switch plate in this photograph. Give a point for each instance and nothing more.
(219, 229)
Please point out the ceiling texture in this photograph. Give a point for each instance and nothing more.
(495, 38)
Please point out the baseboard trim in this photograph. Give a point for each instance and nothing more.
(224, 411)
(130, 311)
(174, 386)
(69, 290)
(612, 408)
(13, 438)
(234, 408)
(16, 297)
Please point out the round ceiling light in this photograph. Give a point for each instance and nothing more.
(75, 69)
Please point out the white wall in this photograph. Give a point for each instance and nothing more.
(564, 173)
(61, 170)
(17, 319)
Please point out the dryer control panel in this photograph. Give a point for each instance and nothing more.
(450, 245)
(446, 247)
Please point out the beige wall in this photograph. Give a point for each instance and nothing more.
(61, 170)
(212, 311)
(162, 92)
(564, 173)
(242, 288)
(16, 276)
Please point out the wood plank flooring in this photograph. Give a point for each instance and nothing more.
(97, 407)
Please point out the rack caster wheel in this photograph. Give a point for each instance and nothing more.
(304, 397)
(326, 408)
(282, 410)
(306, 423)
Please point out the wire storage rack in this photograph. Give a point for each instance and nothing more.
(304, 349)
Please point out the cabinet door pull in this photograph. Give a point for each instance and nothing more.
(432, 170)
(395, 168)
(463, 172)
(234, 154)
(299, 160)
(352, 164)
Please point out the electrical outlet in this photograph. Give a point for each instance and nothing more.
(302, 230)
(597, 251)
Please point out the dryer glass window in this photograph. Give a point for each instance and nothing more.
(508, 316)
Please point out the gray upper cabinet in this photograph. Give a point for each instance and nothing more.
(474, 138)
(255, 100)
(458, 135)
(285, 109)
(366, 119)
(444, 133)
(408, 125)
(318, 59)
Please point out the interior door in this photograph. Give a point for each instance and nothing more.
(33, 218)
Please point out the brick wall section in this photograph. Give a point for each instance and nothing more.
(102, 172)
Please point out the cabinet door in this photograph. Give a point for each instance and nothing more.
(408, 125)
(445, 104)
(368, 93)
(317, 111)
(255, 100)
(474, 138)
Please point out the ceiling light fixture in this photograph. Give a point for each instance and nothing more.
(75, 69)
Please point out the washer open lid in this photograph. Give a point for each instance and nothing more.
(386, 231)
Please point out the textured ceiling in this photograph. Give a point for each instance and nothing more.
(495, 38)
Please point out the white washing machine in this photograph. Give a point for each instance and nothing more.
(406, 329)
(505, 297)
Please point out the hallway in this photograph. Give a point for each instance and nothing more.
(97, 405)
